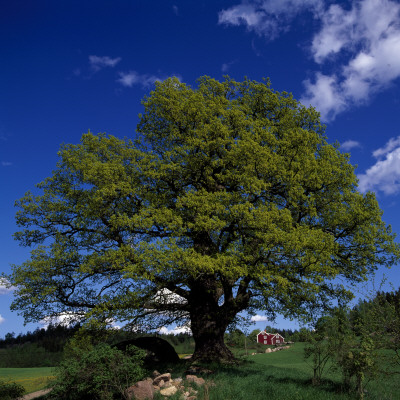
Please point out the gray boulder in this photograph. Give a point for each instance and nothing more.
(142, 390)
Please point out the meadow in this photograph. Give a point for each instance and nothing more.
(32, 379)
(283, 375)
(286, 375)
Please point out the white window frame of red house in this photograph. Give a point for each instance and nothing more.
(263, 337)
(279, 337)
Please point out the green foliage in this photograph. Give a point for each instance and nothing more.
(252, 336)
(231, 198)
(97, 372)
(235, 338)
(183, 343)
(341, 342)
(10, 390)
(381, 314)
(28, 355)
(301, 335)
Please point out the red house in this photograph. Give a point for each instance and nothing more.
(270, 338)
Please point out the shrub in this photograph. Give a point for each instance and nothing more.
(10, 390)
(97, 372)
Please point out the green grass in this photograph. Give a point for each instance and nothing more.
(32, 379)
(286, 375)
(282, 375)
(383, 387)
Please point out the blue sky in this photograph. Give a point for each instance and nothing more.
(70, 66)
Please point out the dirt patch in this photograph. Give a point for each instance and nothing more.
(33, 395)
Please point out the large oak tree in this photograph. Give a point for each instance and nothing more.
(230, 199)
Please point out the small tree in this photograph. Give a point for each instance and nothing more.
(319, 349)
(383, 319)
(352, 351)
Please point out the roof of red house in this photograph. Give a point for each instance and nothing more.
(269, 334)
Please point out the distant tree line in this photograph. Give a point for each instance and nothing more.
(44, 347)
(41, 348)
(52, 338)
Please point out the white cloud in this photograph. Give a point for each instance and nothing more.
(336, 33)
(267, 18)
(370, 42)
(325, 95)
(363, 40)
(384, 175)
(175, 10)
(97, 63)
(131, 78)
(5, 286)
(350, 144)
(175, 331)
(166, 296)
(226, 66)
(6, 163)
(393, 143)
(1, 319)
(258, 318)
(64, 319)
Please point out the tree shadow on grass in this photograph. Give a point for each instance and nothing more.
(326, 385)
(276, 375)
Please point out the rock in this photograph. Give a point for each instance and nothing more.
(163, 377)
(168, 391)
(158, 350)
(142, 390)
(155, 373)
(195, 379)
(161, 383)
(269, 350)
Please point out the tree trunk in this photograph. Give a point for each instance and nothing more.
(209, 319)
(208, 325)
(208, 335)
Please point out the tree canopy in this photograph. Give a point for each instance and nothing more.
(229, 199)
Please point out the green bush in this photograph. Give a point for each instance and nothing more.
(10, 390)
(97, 373)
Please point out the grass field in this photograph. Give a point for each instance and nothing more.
(283, 375)
(32, 379)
